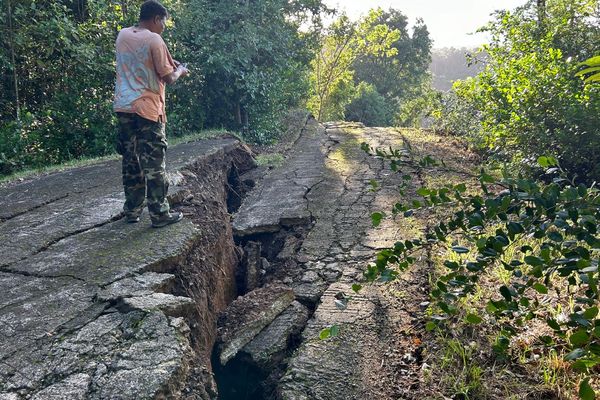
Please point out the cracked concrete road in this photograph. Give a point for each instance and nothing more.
(66, 331)
(378, 352)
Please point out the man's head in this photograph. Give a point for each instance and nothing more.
(153, 16)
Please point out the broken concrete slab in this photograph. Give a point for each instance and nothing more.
(250, 314)
(309, 292)
(139, 285)
(32, 308)
(40, 212)
(251, 266)
(270, 345)
(111, 252)
(74, 387)
(332, 369)
(279, 199)
(172, 306)
(134, 355)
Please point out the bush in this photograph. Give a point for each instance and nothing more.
(369, 107)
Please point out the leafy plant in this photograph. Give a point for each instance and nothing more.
(369, 107)
(560, 220)
(591, 70)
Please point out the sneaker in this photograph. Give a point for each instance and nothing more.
(167, 219)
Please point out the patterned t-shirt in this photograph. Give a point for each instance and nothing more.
(142, 61)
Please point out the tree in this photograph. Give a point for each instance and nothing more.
(343, 43)
(369, 107)
(248, 58)
(396, 74)
(528, 99)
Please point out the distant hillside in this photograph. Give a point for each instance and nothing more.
(449, 64)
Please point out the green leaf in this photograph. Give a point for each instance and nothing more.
(430, 326)
(534, 261)
(547, 161)
(460, 249)
(585, 390)
(461, 187)
(356, 287)
(591, 61)
(325, 333)
(334, 331)
(423, 192)
(555, 236)
(540, 288)
(579, 338)
(587, 71)
(485, 178)
(575, 354)
(376, 218)
(505, 292)
(473, 319)
(591, 313)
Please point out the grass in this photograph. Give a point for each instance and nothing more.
(82, 162)
(273, 160)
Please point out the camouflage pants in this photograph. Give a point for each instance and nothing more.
(143, 145)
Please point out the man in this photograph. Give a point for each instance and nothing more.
(144, 65)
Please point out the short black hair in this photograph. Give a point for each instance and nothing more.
(151, 9)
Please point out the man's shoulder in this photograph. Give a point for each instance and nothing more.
(126, 31)
(140, 33)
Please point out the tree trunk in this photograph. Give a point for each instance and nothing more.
(14, 63)
(541, 11)
(124, 9)
(238, 113)
(245, 121)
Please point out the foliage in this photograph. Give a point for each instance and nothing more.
(400, 77)
(417, 108)
(377, 50)
(57, 81)
(369, 107)
(558, 220)
(528, 99)
(249, 60)
(591, 70)
(344, 42)
(457, 115)
(396, 73)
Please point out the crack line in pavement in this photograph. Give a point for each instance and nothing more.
(77, 232)
(6, 270)
(54, 200)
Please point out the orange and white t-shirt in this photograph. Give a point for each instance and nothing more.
(142, 61)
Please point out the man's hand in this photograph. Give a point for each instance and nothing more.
(184, 70)
(180, 71)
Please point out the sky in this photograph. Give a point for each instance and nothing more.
(449, 21)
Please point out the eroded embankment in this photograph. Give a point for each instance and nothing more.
(94, 308)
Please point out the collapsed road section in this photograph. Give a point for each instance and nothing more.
(307, 234)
